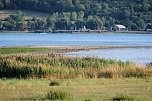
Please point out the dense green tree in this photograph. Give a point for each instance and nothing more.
(128, 23)
(1, 22)
(67, 15)
(75, 1)
(94, 23)
(69, 2)
(50, 23)
(80, 15)
(8, 25)
(134, 14)
(1, 5)
(80, 23)
(21, 26)
(73, 16)
(141, 24)
(80, 7)
(15, 21)
(134, 26)
(29, 23)
(61, 24)
(41, 24)
(146, 5)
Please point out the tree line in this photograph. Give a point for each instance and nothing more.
(94, 14)
(57, 21)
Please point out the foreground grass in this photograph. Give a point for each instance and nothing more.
(75, 79)
(79, 89)
(20, 50)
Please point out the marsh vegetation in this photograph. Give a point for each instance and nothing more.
(58, 66)
(54, 76)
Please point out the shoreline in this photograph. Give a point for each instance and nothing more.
(65, 49)
(74, 46)
(81, 32)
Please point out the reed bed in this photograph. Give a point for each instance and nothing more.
(58, 66)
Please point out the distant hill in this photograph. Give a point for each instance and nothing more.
(28, 14)
(94, 14)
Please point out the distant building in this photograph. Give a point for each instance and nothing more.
(120, 27)
(116, 27)
(84, 28)
(149, 30)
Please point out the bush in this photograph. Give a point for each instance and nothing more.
(58, 95)
(54, 83)
(105, 74)
(123, 97)
(136, 72)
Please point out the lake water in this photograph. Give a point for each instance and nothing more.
(76, 39)
(137, 55)
(141, 55)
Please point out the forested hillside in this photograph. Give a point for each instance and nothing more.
(94, 14)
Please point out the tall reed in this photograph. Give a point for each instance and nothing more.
(59, 66)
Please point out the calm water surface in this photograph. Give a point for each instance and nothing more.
(136, 55)
(76, 39)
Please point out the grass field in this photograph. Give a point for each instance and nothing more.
(28, 14)
(47, 76)
(20, 50)
(79, 89)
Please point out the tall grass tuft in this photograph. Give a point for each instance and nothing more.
(58, 95)
(54, 83)
(122, 97)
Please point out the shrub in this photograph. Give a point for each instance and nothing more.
(58, 95)
(136, 72)
(120, 97)
(54, 83)
(105, 74)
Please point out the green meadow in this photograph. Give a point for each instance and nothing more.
(15, 50)
(52, 76)
(138, 89)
